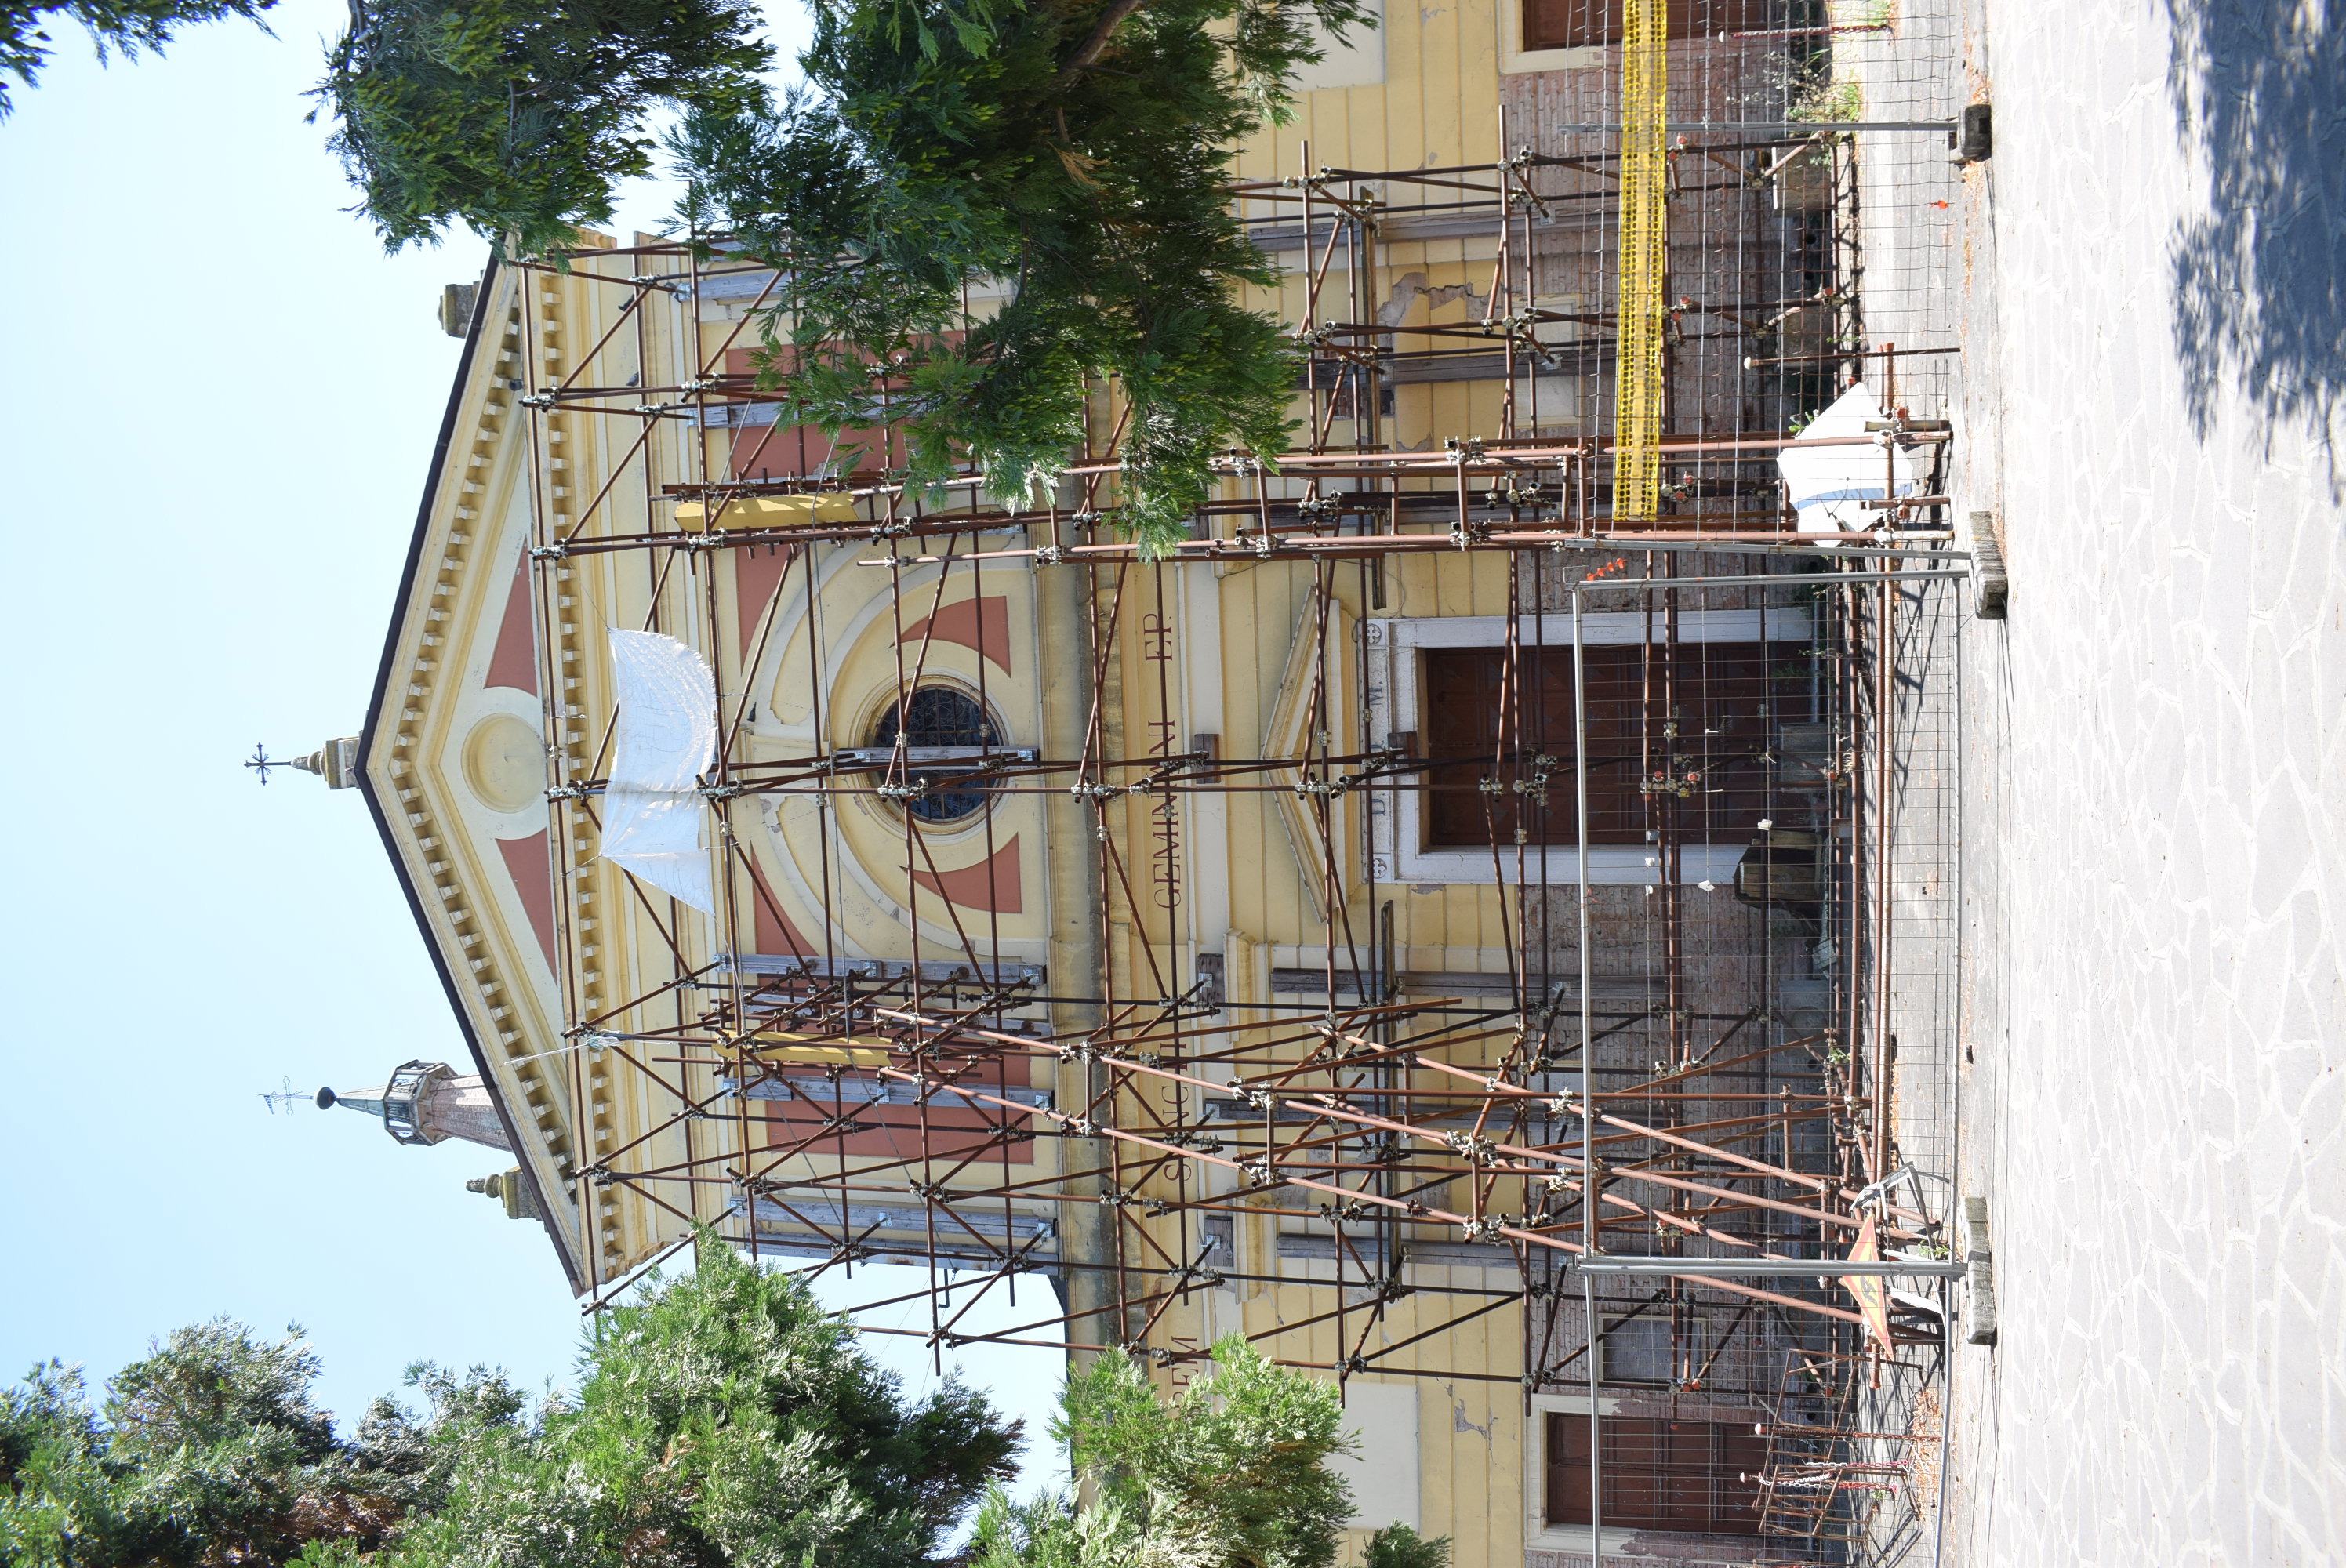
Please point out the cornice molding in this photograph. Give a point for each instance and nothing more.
(415, 829)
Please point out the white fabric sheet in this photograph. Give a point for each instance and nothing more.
(1828, 483)
(666, 740)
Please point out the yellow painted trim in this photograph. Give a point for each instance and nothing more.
(851, 1050)
(769, 510)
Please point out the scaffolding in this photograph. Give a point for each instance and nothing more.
(1698, 1049)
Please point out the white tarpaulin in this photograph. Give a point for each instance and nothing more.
(666, 740)
(1828, 483)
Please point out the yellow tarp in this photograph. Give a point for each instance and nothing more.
(768, 512)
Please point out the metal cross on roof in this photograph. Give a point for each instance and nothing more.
(262, 762)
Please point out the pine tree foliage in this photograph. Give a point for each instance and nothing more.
(728, 1420)
(517, 118)
(1398, 1546)
(984, 207)
(1232, 1474)
(725, 1421)
(209, 1451)
(128, 27)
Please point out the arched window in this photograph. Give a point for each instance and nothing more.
(937, 718)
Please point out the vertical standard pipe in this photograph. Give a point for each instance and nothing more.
(1885, 718)
(1504, 303)
(1587, 1077)
(1064, 601)
(1856, 789)
(1672, 819)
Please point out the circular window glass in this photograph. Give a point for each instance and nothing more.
(936, 717)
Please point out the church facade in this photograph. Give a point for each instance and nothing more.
(1240, 942)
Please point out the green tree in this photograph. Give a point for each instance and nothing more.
(1232, 1474)
(725, 1419)
(209, 1451)
(724, 1422)
(128, 26)
(1398, 1546)
(518, 117)
(983, 208)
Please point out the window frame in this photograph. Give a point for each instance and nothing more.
(1671, 1440)
(1515, 59)
(1396, 680)
(1738, 17)
(1698, 1331)
(889, 703)
(1539, 1534)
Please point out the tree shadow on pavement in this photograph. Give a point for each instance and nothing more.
(2260, 282)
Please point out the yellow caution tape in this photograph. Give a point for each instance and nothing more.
(1644, 179)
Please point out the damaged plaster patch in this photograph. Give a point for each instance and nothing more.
(1410, 286)
(1458, 1421)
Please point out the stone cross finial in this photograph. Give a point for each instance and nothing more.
(337, 762)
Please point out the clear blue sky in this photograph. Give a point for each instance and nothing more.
(218, 404)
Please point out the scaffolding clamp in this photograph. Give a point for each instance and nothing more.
(1478, 1150)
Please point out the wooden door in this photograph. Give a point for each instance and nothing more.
(1676, 741)
(1582, 23)
(1658, 1474)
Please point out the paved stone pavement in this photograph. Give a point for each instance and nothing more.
(2155, 863)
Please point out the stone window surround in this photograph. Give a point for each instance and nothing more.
(1541, 1536)
(1515, 60)
(1396, 682)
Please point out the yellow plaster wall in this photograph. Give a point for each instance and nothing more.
(1437, 105)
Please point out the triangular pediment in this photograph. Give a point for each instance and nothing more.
(454, 758)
